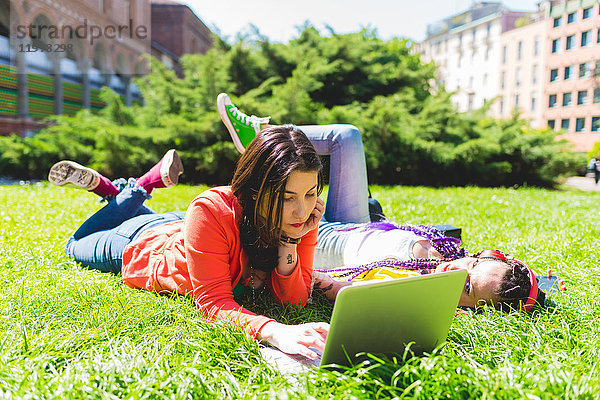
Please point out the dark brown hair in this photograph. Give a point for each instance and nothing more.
(259, 183)
(515, 287)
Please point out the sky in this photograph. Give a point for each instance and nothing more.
(278, 19)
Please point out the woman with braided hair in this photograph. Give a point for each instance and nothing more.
(493, 277)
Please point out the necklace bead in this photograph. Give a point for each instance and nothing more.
(448, 247)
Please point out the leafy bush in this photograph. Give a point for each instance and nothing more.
(412, 134)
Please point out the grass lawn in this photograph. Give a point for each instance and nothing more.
(66, 332)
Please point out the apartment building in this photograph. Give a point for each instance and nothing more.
(466, 49)
(572, 76)
(522, 71)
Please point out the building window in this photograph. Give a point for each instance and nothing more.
(564, 124)
(460, 39)
(536, 46)
(471, 82)
(555, 47)
(571, 17)
(568, 72)
(501, 105)
(570, 43)
(587, 12)
(519, 50)
(582, 97)
(504, 55)
(516, 101)
(487, 52)
(518, 77)
(596, 95)
(488, 28)
(484, 81)
(557, 21)
(552, 101)
(502, 79)
(101, 6)
(533, 101)
(586, 38)
(597, 69)
(579, 124)
(474, 33)
(534, 74)
(471, 99)
(584, 70)
(554, 75)
(566, 99)
(595, 124)
(551, 123)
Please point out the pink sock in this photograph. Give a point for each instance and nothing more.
(151, 179)
(105, 188)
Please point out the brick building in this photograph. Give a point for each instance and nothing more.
(176, 30)
(55, 55)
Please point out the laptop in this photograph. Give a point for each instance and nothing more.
(384, 317)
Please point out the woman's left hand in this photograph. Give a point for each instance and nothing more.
(424, 249)
(313, 219)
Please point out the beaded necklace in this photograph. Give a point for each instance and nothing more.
(252, 286)
(448, 247)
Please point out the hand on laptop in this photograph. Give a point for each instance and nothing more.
(296, 339)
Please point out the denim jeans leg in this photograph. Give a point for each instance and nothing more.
(103, 250)
(93, 244)
(127, 204)
(347, 200)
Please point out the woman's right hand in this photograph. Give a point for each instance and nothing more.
(296, 339)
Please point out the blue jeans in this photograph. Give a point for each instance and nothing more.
(99, 243)
(347, 203)
(347, 199)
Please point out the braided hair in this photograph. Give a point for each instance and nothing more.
(515, 287)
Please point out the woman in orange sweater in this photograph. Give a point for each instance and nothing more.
(259, 232)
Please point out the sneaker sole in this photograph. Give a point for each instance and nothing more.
(171, 168)
(71, 173)
(221, 99)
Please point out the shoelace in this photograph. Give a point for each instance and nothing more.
(252, 120)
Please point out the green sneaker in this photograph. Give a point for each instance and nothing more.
(241, 127)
